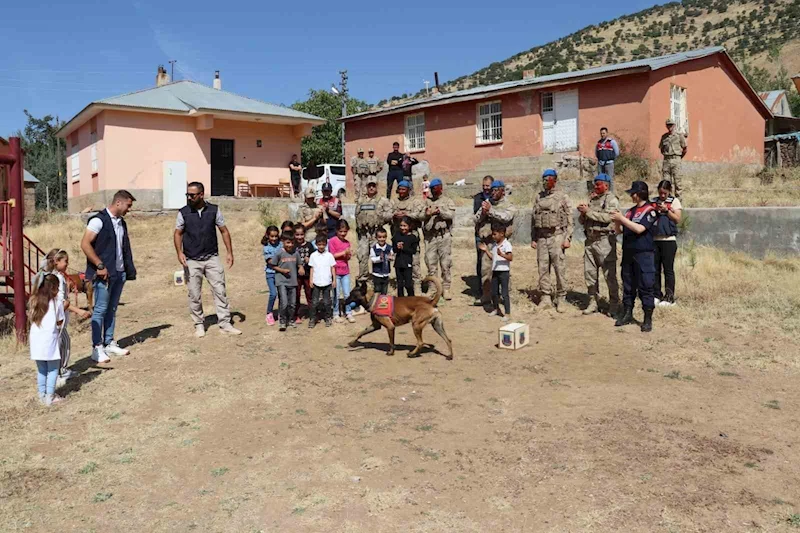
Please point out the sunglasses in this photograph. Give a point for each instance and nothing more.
(192, 194)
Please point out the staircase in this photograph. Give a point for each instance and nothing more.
(31, 253)
(522, 169)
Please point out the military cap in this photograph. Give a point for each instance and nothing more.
(549, 172)
(670, 122)
(436, 182)
(497, 184)
(360, 151)
(327, 186)
(310, 193)
(637, 187)
(404, 183)
(602, 177)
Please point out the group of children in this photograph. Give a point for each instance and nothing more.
(48, 313)
(322, 271)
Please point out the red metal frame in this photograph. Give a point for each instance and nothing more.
(17, 201)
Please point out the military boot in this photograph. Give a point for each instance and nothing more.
(647, 325)
(561, 304)
(626, 317)
(592, 307)
(613, 308)
(545, 302)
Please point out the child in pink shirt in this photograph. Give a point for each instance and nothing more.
(339, 246)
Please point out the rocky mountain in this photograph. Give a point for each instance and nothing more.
(762, 36)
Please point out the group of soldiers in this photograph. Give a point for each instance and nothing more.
(364, 169)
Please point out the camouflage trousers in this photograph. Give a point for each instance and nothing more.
(600, 253)
(360, 184)
(366, 238)
(438, 249)
(486, 272)
(671, 170)
(550, 256)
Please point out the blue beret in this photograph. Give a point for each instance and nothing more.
(435, 182)
(602, 177)
(405, 184)
(549, 172)
(496, 184)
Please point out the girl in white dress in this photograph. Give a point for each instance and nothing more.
(47, 318)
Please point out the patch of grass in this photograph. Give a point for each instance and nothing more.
(673, 375)
(430, 454)
(493, 400)
(653, 370)
(300, 411)
(725, 373)
(113, 416)
(221, 471)
(469, 380)
(750, 465)
(339, 347)
(101, 497)
(188, 442)
(794, 520)
(298, 510)
(284, 365)
(420, 470)
(778, 501)
(647, 476)
(424, 428)
(772, 404)
(89, 468)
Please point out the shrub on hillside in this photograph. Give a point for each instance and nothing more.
(632, 159)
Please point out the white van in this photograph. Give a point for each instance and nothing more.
(336, 175)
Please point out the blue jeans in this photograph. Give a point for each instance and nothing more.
(273, 292)
(607, 168)
(106, 300)
(343, 292)
(47, 375)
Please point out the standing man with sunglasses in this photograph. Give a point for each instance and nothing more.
(196, 243)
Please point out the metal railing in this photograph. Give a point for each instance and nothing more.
(32, 254)
(5, 238)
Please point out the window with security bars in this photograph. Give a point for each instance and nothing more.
(415, 132)
(547, 102)
(93, 141)
(75, 164)
(677, 106)
(489, 125)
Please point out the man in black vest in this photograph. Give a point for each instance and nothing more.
(196, 243)
(109, 264)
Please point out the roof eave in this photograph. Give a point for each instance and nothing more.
(762, 106)
(267, 118)
(492, 93)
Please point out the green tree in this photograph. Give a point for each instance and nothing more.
(324, 145)
(45, 158)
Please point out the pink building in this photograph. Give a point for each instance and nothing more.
(458, 133)
(152, 142)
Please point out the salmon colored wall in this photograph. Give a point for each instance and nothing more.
(724, 125)
(83, 185)
(136, 144)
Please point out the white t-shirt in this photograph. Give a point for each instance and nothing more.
(43, 338)
(321, 263)
(96, 224)
(498, 263)
(219, 220)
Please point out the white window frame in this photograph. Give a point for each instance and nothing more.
(487, 115)
(677, 108)
(415, 132)
(93, 141)
(75, 163)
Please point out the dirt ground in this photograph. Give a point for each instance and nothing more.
(693, 427)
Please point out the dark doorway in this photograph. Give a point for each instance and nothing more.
(222, 167)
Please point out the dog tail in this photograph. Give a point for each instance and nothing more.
(438, 284)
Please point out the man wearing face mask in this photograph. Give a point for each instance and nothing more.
(600, 251)
(551, 235)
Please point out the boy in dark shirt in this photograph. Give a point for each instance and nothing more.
(405, 246)
(304, 251)
(286, 263)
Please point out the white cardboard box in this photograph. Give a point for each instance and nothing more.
(513, 336)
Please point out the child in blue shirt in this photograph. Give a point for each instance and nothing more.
(272, 245)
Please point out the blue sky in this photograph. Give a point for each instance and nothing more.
(58, 58)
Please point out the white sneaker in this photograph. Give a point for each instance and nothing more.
(656, 301)
(199, 331)
(229, 329)
(359, 311)
(351, 319)
(69, 374)
(60, 382)
(99, 355)
(113, 349)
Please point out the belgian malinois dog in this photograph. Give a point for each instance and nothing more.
(419, 310)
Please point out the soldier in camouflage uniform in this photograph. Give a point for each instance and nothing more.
(673, 148)
(600, 250)
(372, 212)
(439, 214)
(360, 169)
(496, 210)
(310, 215)
(551, 235)
(375, 165)
(408, 206)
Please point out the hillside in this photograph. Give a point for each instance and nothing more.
(762, 36)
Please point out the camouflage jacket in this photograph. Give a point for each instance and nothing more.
(375, 166)
(672, 144)
(501, 212)
(442, 221)
(359, 166)
(372, 213)
(552, 211)
(305, 213)
(414, 208)
(597, 220)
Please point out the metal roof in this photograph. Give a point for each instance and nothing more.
(770, 97)
(652, 63)
(190, 97)
(30, 178)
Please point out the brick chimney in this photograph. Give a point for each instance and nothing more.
(162, 78)
(217, 81)
(528, 74)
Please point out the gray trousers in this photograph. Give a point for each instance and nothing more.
(607, 168)
(214, 272)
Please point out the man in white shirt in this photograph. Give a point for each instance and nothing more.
(109, 264)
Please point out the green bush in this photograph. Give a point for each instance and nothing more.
(632, 159)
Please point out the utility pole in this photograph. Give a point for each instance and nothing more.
(172, 69)
(343, 95)
(58, 166)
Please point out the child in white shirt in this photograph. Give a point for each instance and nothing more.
(323, 272)
(47, 317)
(501, 255)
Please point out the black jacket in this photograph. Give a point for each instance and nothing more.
(404, 257)
(105, 246)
